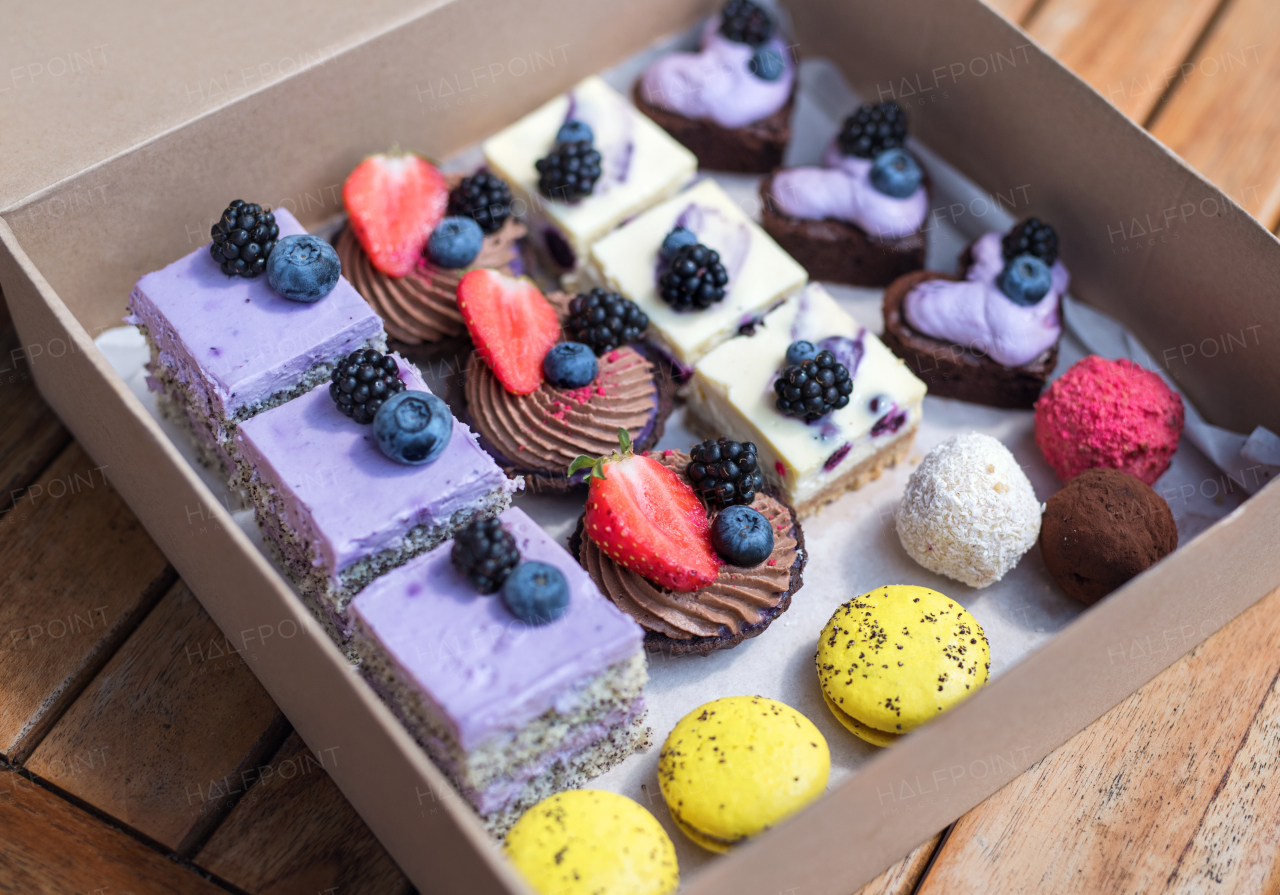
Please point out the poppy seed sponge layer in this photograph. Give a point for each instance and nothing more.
(969, 511)
(1111, 415)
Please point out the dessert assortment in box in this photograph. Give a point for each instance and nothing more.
(762, 523)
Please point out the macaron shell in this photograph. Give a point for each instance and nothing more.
(857, 728)
(734, 767)
(592, 842)
(901, 655)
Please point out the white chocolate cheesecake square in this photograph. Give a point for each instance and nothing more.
(732, 394)
(640, 166)
(760, 273)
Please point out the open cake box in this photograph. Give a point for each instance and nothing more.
(1150, 243)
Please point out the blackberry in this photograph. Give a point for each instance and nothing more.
(362, 382)
(746, 23)
(725, 472)
(813, 388)
(695, 278)
(1031, 237)
(483, 198)
(872, 129)
(486, 553)
(604, 320)
(569, 172)
(243, 238)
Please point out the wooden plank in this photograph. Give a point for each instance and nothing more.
(51, 846)
(1013, 10)
(294, 832)
(902, 877)
(167, 736)
(1130, 52)
(78, 573)
(1162, 779)
(1222, 119)
(30, 434)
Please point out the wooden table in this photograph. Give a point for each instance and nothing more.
(140, 754)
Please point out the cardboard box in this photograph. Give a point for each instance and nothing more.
(1151, 243)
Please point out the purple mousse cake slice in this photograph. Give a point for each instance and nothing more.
(513, 712)
(225, 348)
(340, 512)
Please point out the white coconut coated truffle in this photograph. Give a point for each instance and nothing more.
(969, 511)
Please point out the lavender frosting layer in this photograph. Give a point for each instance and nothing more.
(717, 83)
(235, 342)
(483, 670)
(346, 498)
(843, 190)
(976, 314)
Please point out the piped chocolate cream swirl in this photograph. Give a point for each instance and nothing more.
(738, 604)
(547, 429)
(423, 306)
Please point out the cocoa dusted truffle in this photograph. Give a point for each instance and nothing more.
(1102, 529)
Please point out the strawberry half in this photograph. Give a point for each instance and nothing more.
(512, 325)
(394, 202)
(648, 519)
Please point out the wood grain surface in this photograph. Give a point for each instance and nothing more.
(294, 832)
(167, 737)
(903, 876)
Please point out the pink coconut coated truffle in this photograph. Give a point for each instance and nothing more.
(1109, 414)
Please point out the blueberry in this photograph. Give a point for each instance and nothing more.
(455, 242)
(413, 427)
(1025, 280)
(742, 536)
(895, 173)
(570, 365)
(575, 131)
(676, 240)
(536, 593)
(766, 64)
(799, 352)
(303, 268)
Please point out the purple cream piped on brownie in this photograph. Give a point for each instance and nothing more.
(512, 710)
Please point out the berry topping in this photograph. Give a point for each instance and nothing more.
(1025, 280)
(1031, 237)
(695, 279)
(813, 388)
(725, 472)
(744, 22)
(536, 593)
(455, 242)
(484, 198)
(604, 320)
(362, 382)
(512, 325)
(742, 536)
(569, 172)
(676, 240)
(575, 131)
(570, 365)
(801, 351)
(394, 202)
(895, 173)
(413, 427)
(766, 64)
(648, 519)
(872, 129)
(486, 553)
(303, 268)
(243, 239)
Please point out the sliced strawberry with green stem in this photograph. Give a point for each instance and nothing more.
(394, 201)
(512, 325)
(647, 518)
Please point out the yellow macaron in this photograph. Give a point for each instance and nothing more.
(592, 841)
(898, 656)
(734, 767)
